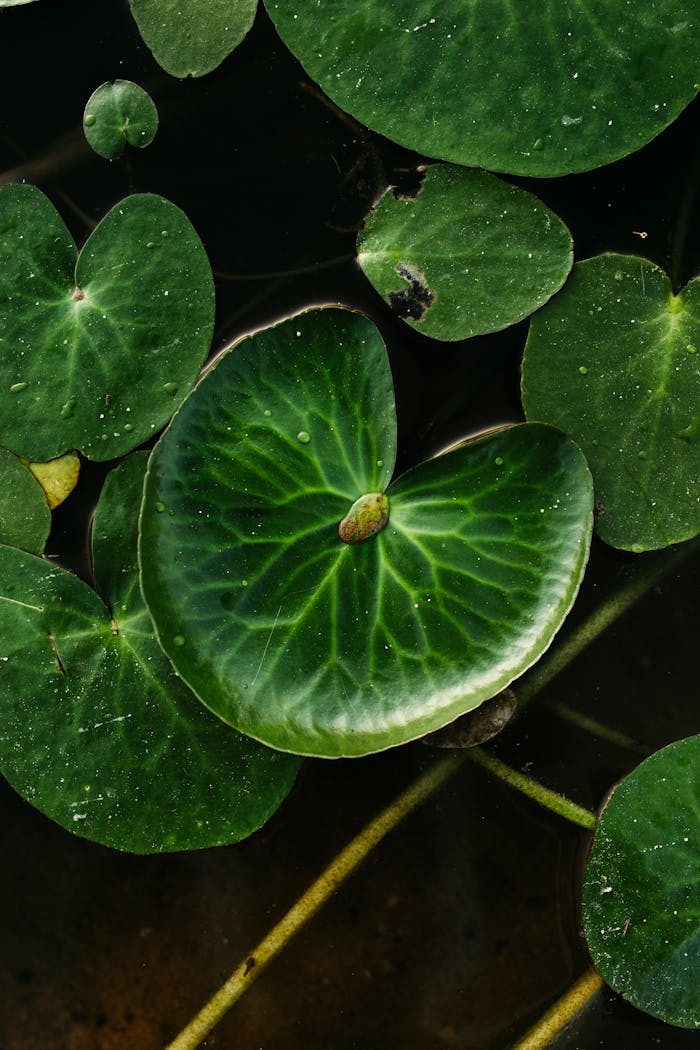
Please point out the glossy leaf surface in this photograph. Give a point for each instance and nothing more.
(469, 255)
(325, 647)
(98, 732)
(97, 350)
(640, 899)
(189, 40)
(25, 518)
(532, 89)
(117, 113)
(614, 360)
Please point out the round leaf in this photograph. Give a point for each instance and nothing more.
(188, 41)
(532, 89)
(98, 732)
(470, 254)
(640, 897)
(25, 518)
(96, 351)
(614, 360)
(325, 647)
(116, 113)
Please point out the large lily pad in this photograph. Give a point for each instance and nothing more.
(640, 899)
(97, 730)
(614, 360)
(97, 350)
(117, 113)
(313, 607)
(25, 518)
(191, 39)
(470, 254)
(532, 89)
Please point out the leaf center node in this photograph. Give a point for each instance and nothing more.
(368, 515)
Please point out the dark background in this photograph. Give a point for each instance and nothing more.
(463, 926)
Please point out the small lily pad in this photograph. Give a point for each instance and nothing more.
(614, 360)
(468, 255)
(25, 518)
(116, 113)
(319, 608)
(640, 896)
(188, 41)
(97, 730)
(96, 350)
(57, 478)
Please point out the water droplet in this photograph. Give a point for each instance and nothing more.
(164, 233)
(538, 144)
(691, 349)
(583, 371)
(17, 387)
(267, 412)
(178, 640)
(68, 408)
(89, 120)
(128, 426)
(160, 507)
(641, 454)
(150, 244)
(244, 583)
(499, 461)
(302, 436)
(170, 388)
(380, 462)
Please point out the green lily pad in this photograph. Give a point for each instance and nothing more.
(470, 254)
(640, 898)
(98, 732)
(96, 351)
(614, 361)
(443, 587)
(537, 89)
(15, 3)
(25, 518)
(189, 40)
(116, 113)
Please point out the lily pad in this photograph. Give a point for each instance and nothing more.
(188, 41)
(614, 360)
(315, 608)
(57, 478)
(640, 897)
(25, 518)
(98, 732)
(97, 350)
(532, 89)
(116, 113)
(470, 254)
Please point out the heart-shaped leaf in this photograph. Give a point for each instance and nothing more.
(96, 351)
(97, 730)
(613, 360)
(116, 113)
(25, 518)
(313, 609)
(532, 89)
(640, 896)
(470, 254)
(188, 41)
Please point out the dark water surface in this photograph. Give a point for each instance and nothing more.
(463, 925)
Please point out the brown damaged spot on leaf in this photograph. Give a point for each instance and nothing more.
(478, 726)
(411, 302)
(368, 515)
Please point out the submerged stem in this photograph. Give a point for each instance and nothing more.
(593, 726)
(340, 868)
(551, 800)
(575, 998)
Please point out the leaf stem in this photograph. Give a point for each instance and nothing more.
(600, 619)
(572, 1002)
(340, 868)
(551, 800)
(593, 726)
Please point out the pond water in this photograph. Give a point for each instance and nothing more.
(463, 925)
